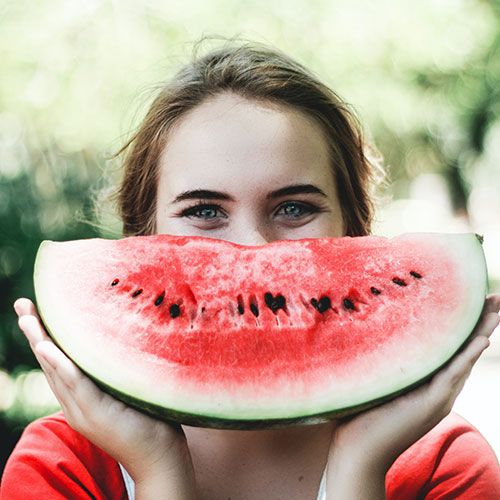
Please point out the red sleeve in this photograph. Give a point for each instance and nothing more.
(452, 461)
(52, 461)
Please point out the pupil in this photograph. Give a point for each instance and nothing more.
(208, 212)
(295, 209)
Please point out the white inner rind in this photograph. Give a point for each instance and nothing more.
(388, 370)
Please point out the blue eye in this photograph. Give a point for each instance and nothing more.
(205, 211)
(208, 211)
(298, 209)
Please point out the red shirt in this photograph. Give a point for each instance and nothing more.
(52, 461)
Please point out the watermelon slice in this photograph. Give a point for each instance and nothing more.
(211, 333)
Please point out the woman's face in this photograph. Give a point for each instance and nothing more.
(260, 172)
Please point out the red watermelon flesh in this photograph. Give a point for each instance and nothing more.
(213, 333)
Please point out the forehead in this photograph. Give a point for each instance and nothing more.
(232, 142)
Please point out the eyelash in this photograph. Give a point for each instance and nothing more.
(191, 211)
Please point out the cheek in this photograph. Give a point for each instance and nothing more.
(326, 226)
(164, 223)
(332, 226)
(337, 225)
(169, 225)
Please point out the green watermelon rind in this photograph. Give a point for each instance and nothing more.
(232, 422)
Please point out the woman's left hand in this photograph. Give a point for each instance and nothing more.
(374, 438)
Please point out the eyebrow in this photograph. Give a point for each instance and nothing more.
(218, 195)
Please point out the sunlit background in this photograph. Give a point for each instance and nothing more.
(75, 77)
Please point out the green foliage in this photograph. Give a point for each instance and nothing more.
(29, 215)
(34, 205)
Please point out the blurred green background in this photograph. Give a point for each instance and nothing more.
(75, 78)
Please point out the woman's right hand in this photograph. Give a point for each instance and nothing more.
(154, 453)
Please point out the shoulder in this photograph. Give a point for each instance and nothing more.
(452, 460)
(56, 462)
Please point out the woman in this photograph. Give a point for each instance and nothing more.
(246, 145)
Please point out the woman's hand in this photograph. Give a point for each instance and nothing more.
(154, 453)
(375, 438)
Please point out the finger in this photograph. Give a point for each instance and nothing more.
(446, 385)
(48, 371)
(66, 370)
(86, 407)
(63, 382)
(63, 394)
(33, 329)
(490, 310)
(492, 303)
(468, 362)
(83, 391)
(43, 347)
(456, 372)
(24, 306)
(487, 325)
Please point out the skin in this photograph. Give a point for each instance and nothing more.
(278, 147)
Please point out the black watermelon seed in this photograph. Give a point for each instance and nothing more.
(137, 292)
(399, 281)
(274, 303)
(115, 282)
(159, 299)
(349, 304)
(241, 306)
(269, 299)
(415, 274)
(254, 309)
(322, 304)
(375, 291)
(174, 310)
